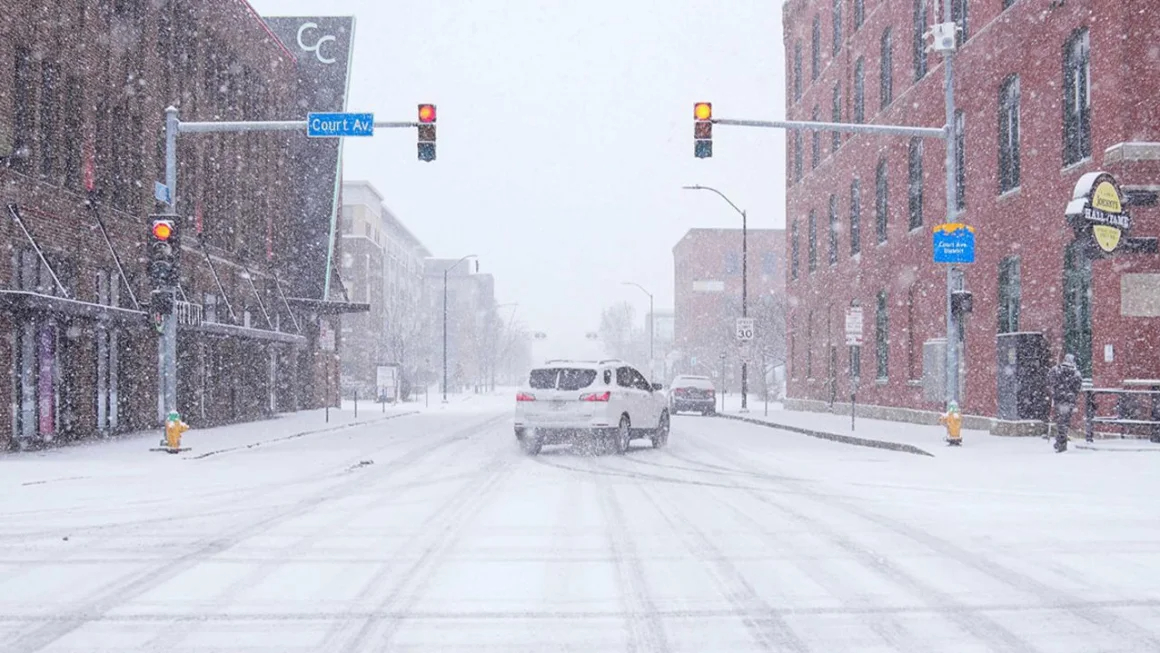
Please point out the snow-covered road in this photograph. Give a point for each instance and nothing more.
(432, 532)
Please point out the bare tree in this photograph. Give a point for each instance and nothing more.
(620, 334)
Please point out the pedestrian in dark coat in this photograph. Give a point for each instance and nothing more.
(1064, 382)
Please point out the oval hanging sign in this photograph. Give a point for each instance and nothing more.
(1098, 208)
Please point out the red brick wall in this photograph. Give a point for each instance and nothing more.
(1026, 39)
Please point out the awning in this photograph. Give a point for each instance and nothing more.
(232, 331)
(328, 308)
(18, 301)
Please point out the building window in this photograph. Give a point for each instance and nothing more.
(49, 106)
(815, 142)
(881, 201)
(887, 72)
(913, 369)
(794, 254)
(960, 161)
(797, 156)
(836, 116)
(882, 337)
(920, 21)
(837, 16)
(833, 229)
(859, 13)
(1008, 3)
(959, 15)
(812, 238)
(1010, 294)
(914, 183)
(769, 264)
(732, 263)
(1077, 306)
(797, 71)
(1077, 96)
(816, 49)
(810, 345)
(855, 217)
(23, 96)
(1009, 134)
(860, 91)
(73, 152)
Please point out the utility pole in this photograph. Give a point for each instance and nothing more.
(952, 206)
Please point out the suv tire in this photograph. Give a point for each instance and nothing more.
(622, 436)
(660, 436)
(531, 446)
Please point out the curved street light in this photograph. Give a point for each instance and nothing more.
(744, 283)
(445, 271)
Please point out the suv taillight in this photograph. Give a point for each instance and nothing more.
(596, 396)
(523, 396)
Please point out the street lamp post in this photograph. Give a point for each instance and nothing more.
(652, 326)
(445, 272)
(744, 284)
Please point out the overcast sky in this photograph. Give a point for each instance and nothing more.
(565, 135)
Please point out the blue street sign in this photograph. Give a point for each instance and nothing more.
(333, 125)
(161, 192)
(954, 243)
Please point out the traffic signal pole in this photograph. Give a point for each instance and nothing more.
(703, 149)
(167, 345)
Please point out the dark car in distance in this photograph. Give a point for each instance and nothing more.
(691, 393)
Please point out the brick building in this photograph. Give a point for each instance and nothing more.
(707, 300)
(82, 100)
(1047, 92)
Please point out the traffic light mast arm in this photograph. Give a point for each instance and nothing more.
(268, 125)
(853, 128)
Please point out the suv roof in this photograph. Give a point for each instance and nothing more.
(691, 376)
(583, 363)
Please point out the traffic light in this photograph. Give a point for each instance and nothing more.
(426, 132)
(703, 130)
(163, 247)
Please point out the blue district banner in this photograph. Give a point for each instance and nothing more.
(954, 243)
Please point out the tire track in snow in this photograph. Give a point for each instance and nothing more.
(766, 625)
(645, 628)
(1051, 598)
(137, 583)
(395, 591)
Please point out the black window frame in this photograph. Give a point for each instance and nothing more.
(855, 217)
(795, 251)
(797, 71)
(836, 20)
(836, 116)
(886, 69)
(23, 110)
(859, 13)
(882, 337)
(798, 156)
(833, 229)
(1077, 84)
(914, 186)
(812, 241)
(882, 202)
(816, 48)
(1010, 294)
(960, 16)
(815, 141)
(1009, 135)
(921, 17)
(860, 90)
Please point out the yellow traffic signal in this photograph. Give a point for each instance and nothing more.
(703, 111)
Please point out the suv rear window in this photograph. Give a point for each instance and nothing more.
(561, 378)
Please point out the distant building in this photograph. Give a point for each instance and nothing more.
(707, 301)
(472, 321)
(382, 265)
(1047, 92)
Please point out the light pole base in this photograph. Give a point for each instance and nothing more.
(743, 411)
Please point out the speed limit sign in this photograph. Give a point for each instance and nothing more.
(745, 328)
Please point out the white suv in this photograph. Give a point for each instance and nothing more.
(607, 402)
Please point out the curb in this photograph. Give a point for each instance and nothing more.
(1088, 447)
(292, 436)
(834, 437)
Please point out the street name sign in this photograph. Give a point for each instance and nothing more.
(334, 125)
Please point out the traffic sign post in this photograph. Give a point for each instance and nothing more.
(854, 328)
(744, 329)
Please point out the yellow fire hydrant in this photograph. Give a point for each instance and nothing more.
(953, 420)
(174, 427)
